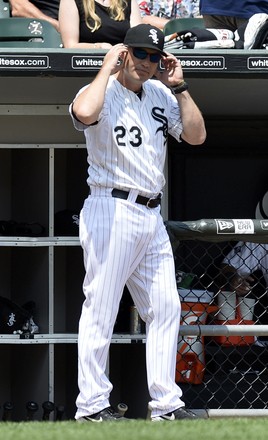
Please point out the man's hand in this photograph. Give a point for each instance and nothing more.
(241, 285)
(172, 74)
(114, 59)
(231, 280)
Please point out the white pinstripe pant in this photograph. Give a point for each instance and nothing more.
(125, 243)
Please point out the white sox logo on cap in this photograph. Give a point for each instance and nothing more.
(145, 36)
(153, 35)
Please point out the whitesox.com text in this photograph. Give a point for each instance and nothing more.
(24, 62)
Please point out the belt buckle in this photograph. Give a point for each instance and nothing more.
(148, 202)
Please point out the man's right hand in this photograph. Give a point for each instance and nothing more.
(241, 285)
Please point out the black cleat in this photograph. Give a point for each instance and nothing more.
(178, 414)
(106, 415)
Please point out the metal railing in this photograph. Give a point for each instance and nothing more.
(221, 363)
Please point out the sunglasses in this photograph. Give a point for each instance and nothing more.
(141, 54)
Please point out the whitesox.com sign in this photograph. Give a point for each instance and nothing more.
(24, 62)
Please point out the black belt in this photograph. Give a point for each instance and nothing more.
(150, 203)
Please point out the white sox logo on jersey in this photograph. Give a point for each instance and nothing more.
(157, 114)
(136, 133)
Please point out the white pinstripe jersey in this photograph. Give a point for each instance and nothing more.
(246, 257)
(127, 147)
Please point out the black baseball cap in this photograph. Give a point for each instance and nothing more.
(147, 36)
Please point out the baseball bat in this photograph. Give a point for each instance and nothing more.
(7, 407)
(122, 408)
(149, 413)
(48, 407)
(31, 408)
(59, 412)
(170, 37)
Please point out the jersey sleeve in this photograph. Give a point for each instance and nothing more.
(175, 126)
(245, 257)
(77, 124)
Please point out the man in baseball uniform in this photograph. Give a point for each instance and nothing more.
(126, 117)
(238, 275)
(244, 259)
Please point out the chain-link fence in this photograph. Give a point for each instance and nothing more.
(222, 278)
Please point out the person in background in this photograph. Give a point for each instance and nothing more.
(158, 13)
(244, 259)
(96, 24)
(39, 9)
(230, 14)
(242, 270)
(126, 114)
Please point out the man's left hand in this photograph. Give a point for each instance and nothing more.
(172, 73)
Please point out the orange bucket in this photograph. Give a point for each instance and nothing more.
(190, 364)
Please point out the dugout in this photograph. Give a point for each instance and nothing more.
(43, 172)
